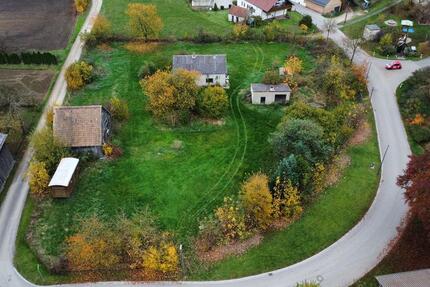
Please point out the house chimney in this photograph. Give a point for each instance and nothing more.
(272, 88)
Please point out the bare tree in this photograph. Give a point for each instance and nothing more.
(329, 26)
(352, 44)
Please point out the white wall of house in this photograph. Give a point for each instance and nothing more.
(301, 2)
(209, 4)
(235, 19)
(213, 79)
(255, 11)
(267, 98)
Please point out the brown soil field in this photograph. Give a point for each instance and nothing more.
(38, 25)
(32, 85)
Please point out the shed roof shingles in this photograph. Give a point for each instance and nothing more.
(78, 126)
(205, 64)
(238, 11)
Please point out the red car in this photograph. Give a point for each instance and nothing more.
(394, 65)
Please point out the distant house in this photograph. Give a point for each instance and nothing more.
(84, 129)
(324, 6)
(268, 94)
(212, 68)
(210, 4)
(64, 178)
(418, 278)
(371, 31)
(266, 9)
(237, 14)
(6, 161)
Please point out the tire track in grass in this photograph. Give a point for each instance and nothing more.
(257, 68)
(235, 107)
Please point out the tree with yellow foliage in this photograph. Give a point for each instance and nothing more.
(286, 200)
(231, 220)
(293, 65)
(144, 20)
(162, 260)
(257, 201)
(38, 179)
(78, 74)
(172, 95)
(81, 5)
(240, 31)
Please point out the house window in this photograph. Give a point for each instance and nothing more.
(209, 80)
(262, 100)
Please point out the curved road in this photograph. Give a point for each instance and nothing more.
(340, 264)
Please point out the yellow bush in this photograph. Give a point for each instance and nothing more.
(141, 47)
(304, 28)
(81, 5)
(257, 201)
(38, 179)
(78, 74)
(232, 221)
(286, 200)
(107, 149)
(240, 30)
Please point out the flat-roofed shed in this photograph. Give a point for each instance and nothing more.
(63, 180)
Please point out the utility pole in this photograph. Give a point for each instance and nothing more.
(346, 12)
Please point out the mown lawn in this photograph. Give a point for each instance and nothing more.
(179, 186)
(180, 20)
(336, 211)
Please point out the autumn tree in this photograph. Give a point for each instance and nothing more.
(416, 182)
(286, 199)
(160, 262)
(144, 20)
(293, 65)
(47, 149)
(172, 95)
(213, 101)
(352, 44)
(102, 30)
(94, 247)
(272, 77)
(38, 179)
(78, 74)
(118, 108)
(329, 26)
(360, 73)
(231, 220)
(240, 31)
(81, 5)
(257, 201)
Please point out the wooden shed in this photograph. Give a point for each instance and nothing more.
(63, 181)
(6, 161)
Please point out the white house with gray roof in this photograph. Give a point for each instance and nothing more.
(212, 68)
(262, 94)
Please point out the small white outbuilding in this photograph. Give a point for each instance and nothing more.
(371, 31)
(262, 94)
(63, 180)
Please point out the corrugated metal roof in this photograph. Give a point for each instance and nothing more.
(419, 278)
(2, 139)
(270, 88)
(373, 27)
(64, 173)
(205, 64)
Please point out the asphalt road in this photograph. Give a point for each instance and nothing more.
(342, 263)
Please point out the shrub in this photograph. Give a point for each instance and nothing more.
(231, 220)
(257, 201)
(240, 31)
(420, 134)
(209, 234)
(78, 74)
(81, 5)
(424, 48)
(215, 7)
(107, 149)
(304, 28)
(306, 20)
(273, 30)
(206, 37)
(148, 69)
(293, 65)
(47, 149)
(172, 95)
(102, 30)
(272, 77)
(38, 179)
(286, 199)
(301, 137)
(213, 101)
(118, 108)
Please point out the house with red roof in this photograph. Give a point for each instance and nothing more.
(266, 9)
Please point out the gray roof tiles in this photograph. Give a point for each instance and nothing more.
(321, 2)
(270, 88)
(205, 64)
(373, 27)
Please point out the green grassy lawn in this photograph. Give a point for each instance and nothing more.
(337, 210)
(180, 20)
(179, 186)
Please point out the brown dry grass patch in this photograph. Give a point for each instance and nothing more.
(141, 47)
(236, 248)
(361, 135)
